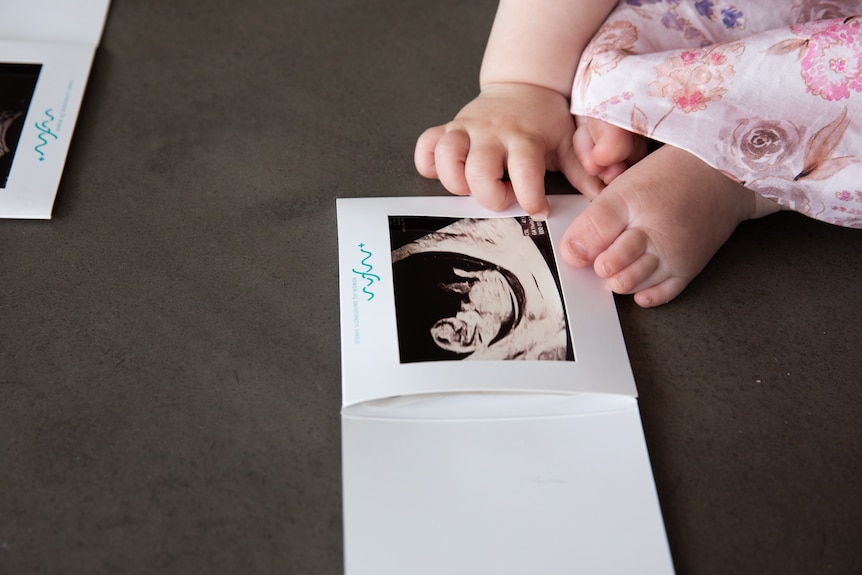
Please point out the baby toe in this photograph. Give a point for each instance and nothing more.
(633, 277)
(623, 252)
(595, 229)
(661, 293)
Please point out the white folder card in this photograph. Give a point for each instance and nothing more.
(490, 420)
(46, 51)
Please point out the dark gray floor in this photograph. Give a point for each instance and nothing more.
(169, 352)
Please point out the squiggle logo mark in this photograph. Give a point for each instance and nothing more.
(366, 274)
(44, 132)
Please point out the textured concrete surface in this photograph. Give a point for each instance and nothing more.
(169, 353)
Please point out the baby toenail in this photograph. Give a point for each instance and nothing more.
(607, 271)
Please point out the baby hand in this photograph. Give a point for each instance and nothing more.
(519, 129)
(605, 150)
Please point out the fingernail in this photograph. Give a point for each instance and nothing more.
(578, 250)
(607, 271)
(540, 216)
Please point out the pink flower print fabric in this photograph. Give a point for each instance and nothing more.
(831, 58)
(693, 78)
(770, 93)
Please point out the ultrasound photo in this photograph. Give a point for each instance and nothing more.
(17, 85)
(477, 289)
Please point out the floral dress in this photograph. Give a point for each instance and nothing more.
(768, 92)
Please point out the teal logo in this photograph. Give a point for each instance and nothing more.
(366, 272)
(46, 130)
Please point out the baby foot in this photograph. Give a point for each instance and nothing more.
(657, 225)
(605, 150)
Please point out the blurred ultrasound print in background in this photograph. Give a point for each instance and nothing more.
(17, 85)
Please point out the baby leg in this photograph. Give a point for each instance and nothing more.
(655, 227)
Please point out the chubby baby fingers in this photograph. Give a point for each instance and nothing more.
(423, 155)
(450, 156)
(527, 165)
(484, 172)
